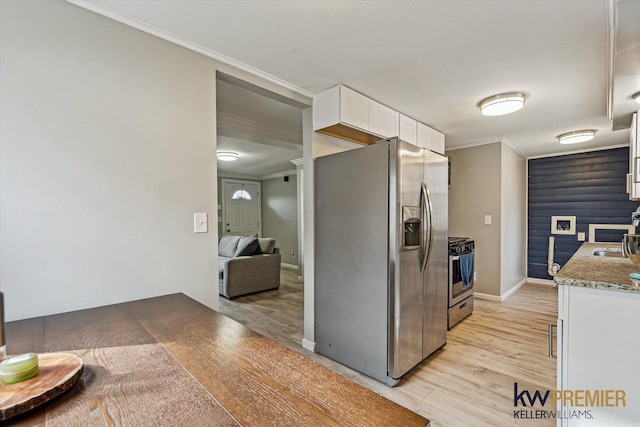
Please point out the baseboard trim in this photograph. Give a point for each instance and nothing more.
(487, 297)
(512, 290)
(541, 281)
(309, 345)
(291, 266)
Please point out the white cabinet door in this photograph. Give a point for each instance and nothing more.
(600, 348)
(430, 138)
(408, 128)
(344, 113)
(355, 109)
(384, 121)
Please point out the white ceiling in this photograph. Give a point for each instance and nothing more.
(431, 60)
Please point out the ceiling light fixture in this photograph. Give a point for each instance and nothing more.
(636, 97)
(576, 136)
(505, 103)
(227, 156)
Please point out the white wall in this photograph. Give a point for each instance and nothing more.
(108, 148)
(513, 233)
(107, 142)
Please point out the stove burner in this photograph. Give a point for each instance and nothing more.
(460, 245)
(457, 239)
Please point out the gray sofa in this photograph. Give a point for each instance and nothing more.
(247, 265)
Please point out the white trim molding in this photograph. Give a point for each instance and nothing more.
(110, 13)
(489, 297)
(541, 281)
(309, 345)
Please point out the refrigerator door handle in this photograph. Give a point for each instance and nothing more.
(427, 229)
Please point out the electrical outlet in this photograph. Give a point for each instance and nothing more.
(293, 254)
(475, 276)
(487, 219)
(581, 237)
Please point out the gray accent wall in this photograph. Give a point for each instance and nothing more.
(491, 180)
(280, 215)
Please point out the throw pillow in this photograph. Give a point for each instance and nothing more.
(228, 245)
(247, 246)
(267, 245)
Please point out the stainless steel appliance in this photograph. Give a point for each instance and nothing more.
(381, 257)
(460, 287)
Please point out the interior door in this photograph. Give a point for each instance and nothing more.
(241, 207)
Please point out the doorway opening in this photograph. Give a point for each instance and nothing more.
(258, 193)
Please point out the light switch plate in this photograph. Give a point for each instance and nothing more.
(200, 223)
(487, 219)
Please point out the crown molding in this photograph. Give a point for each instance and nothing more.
(130, 21)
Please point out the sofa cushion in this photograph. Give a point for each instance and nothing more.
(247, 246)
(222, 261)
(228, 245)
(266, 245)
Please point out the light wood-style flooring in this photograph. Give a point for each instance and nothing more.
(469, 382)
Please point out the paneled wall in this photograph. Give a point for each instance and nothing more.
(590, 186)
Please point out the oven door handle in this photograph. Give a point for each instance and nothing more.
(427, 228)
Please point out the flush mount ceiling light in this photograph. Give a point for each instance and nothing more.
(505, 103)
(227, 156)
(636, 97)
(576, 136)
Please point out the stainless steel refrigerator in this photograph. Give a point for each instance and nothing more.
(381, 257)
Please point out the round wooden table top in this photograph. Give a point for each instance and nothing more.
(57, 372)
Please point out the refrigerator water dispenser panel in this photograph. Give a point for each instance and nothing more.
(411, 228)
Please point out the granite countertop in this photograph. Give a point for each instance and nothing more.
(590, 271)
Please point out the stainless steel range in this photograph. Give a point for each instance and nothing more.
(461, 278)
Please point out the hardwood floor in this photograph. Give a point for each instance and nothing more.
(469, 382)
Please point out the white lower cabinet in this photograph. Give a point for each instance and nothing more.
(598, 357)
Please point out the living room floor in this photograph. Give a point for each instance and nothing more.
(468, 382)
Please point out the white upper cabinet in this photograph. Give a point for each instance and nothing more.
(355, 109)
(408, 129)
(347, 114)
(383, 120)
(429, 138)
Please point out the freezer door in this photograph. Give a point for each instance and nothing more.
(405, 302)
(351, 258)
(435, 273)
